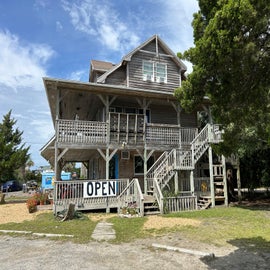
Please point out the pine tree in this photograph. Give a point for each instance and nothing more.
(13, 153)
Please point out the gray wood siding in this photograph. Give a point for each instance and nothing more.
(163, 115)
(118, 77)
(188, 119)
(136, 77)
(151, 47)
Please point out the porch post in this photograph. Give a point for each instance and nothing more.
(56, 167)
(145, 170)
(225, 189)
(212, 186)
(107, 161)
(176, 185)
(191, 178)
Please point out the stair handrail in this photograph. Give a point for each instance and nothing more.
(132, 194)
(153, 168)
(158, 195)
(167, 164)
(200, 142)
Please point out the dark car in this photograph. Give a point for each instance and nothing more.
(12, 185)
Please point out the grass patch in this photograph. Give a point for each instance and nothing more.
(243, 227)
(224, 225)
(47, 223)
(128, 229)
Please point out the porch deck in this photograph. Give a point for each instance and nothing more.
(114, 194)
(130, 129)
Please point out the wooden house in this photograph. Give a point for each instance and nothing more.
(137, 143)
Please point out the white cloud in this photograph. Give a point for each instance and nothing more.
(99, 19)
(21, 70)
(22, 66)
(78, 75)
(59, 26)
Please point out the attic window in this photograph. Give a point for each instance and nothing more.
(148, 71)
(161, 72)
(153, 71)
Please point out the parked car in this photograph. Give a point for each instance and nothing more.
(30, 185)
(11, 185)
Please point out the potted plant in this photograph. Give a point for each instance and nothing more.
(31, 205)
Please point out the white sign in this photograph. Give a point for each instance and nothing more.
(99, 189)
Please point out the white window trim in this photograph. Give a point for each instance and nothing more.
(154, 77)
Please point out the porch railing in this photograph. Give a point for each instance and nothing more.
(162, 134)
(88, 194)
(77, 131)
(178, 204)
(131, 197)
(158, 196)
(124, 128)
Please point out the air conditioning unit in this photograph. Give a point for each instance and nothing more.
(147, 77)
(160, 79)
(125, 155)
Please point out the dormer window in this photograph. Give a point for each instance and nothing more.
(154, 72)
(161, 73)
(148, 71)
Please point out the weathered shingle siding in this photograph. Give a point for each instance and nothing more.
(189, 119)
(136, 75)
(118, 77)
(163, 115)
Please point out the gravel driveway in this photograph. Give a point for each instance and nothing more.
(21, 253)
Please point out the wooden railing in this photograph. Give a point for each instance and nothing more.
(131, 197)
(158, 195)
(162, 134)
(77, 131)
(126, 128)
(161, 170)
(88, 194)
(178, 204)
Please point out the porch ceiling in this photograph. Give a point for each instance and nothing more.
(82, 97)
(72, 155)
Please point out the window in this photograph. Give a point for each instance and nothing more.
(148, 71)
(138, 164)
(154, 72)
(161, 71)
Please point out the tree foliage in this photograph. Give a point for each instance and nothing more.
(231, 65)
(13, 153)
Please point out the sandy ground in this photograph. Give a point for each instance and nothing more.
(22, 253)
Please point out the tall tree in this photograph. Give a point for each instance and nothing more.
(231, 65)
(13, 153)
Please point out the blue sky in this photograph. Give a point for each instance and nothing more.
(59, 38)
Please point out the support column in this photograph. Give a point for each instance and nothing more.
(107, 161)
(56, 150)
(176, 183)
(191, 177)
(212, 185)
(145, 170)
(225, 188)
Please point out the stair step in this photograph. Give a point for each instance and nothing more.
(149, 213)
(149, 207)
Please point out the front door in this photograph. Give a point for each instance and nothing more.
(113, 167)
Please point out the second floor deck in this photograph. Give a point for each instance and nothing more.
(122, 129)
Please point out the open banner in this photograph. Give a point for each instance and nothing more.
(99, 189)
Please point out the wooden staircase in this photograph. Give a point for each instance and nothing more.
(164, 168)
(219, 189)
(204, 202)
(150, 206)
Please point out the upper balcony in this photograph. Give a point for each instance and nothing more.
(123, 129)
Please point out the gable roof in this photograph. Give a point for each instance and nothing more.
(128, 57)
(101, 65)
